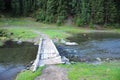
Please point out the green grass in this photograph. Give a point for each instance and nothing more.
(117, 30)
(18, 33)
(22, 33)
(61, 31)
(25, 27)
(84, 71)
(19, 27)
(28, 75)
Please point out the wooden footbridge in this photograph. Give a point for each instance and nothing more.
(47, 53)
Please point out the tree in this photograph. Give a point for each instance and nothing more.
(83, 12)
(2, 7)
(109, 11)
(15, 7)
(61, 11)
(51, 11)
(42, 5)
(96, 11)
(117, 5)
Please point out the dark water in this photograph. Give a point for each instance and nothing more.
(15, 57)
(91, 46)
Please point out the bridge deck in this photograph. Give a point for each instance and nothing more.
(47, 54)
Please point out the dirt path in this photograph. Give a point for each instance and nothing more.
(53, 72)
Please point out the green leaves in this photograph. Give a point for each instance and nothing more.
(22, 7)
(2, 5)
(50, 11)
(83, 12)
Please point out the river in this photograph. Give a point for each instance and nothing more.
(14, 58)
(91, 46)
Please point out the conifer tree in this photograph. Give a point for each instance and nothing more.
(82, 12)
(77, 8)
(50, 11)
(15, 7)
(109, 11)
(96, 11)
(117, 4)
(112, 11)
(72, 6)
(2, 7)
(42, 4)
(61, 11)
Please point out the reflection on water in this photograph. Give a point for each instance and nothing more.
(93, 36)
(14, 57)
(92, 46)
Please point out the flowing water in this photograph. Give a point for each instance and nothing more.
(15, 57)
(92, 46)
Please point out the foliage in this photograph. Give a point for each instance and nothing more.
(16, 7)
(61, 11)
(41, 15)
(50, 11)
(4, 33)
(84, 12)
(2, 5)
(22, 7)
(96, 11)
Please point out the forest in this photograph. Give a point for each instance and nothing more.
(82, 12)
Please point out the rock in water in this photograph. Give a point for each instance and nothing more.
(99, 59)
(71, 43)
(65, 60)
(19, 42)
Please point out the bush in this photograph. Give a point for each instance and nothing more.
(4, 33)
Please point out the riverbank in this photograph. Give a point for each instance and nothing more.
(25, 29)
(87, 71)
(79, 71)
(29, 75)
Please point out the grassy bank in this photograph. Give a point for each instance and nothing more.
(83, 71)
(28, 75)
(25, 28)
